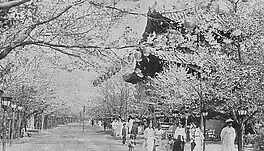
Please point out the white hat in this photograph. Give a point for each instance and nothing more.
(229, 120)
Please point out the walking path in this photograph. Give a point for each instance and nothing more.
(70, 138)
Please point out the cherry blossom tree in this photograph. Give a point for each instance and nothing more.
(218, 45)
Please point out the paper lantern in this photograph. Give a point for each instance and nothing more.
(217, 9)
(95, 83)
(146, 51)
(222, 7)
(105, 76)
(189, 23)
(138, 56)
(108, 74)
(130, 57)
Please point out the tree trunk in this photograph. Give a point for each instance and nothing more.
(42, 121)
(35, 123)
(46, 120)
(240, 137)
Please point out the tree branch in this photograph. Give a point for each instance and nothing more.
(6, 5)
(234, 115)
(114, 8)
(54, 111)
(53, 18)
(19, 42)
(248, 118)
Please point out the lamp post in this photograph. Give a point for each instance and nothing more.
(19, 108)
(5, 102)
(187, 107)
(242, 113)
(204, 113)
(258, 126)
(83, 120)
(174, 115)
(13, 107)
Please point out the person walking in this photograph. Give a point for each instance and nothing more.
(228, 135)
(124, 133)
(105, 124)
(180, 137)
(158, 136)
(149, 136)
(100, 124)
(131, 143)
(92, 122)
(134, 129)
(197, 138)
(119, 125)
(130, 124)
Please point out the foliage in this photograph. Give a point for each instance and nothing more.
(115, 99)
(224, 60)
(80, 32)
(79, 29)
(28, 82)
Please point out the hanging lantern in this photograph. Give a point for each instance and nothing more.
(105, 76)
(100, 80)
(138, 56)
(222, 7)
(130, 57)
(108, 74)
(118, 68)
(113, 71)
(262, 39)
(146, 51)
(217, 9)
(189, 23)
(95, 83)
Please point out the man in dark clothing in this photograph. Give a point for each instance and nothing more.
(92, 122)
(105, 124)
(134, 129)
(124, 131)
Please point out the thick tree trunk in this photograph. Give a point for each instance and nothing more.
(240, 137)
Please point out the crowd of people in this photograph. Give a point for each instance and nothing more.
(153, 135)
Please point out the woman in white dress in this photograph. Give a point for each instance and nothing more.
(158, 134)
(180, 138)
(197, 137)
(228, 135)
(149, 135)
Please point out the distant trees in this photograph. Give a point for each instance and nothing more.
(115, 100)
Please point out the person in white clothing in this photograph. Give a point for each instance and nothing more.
(158, 136)
(197, 138)
(119, 126)
(149, 135)
(114, 127)
(130, 124)
(180, 138)
(228, 135)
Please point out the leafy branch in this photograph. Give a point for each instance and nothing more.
(9, 4)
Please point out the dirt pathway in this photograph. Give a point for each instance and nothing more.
(69, 138)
